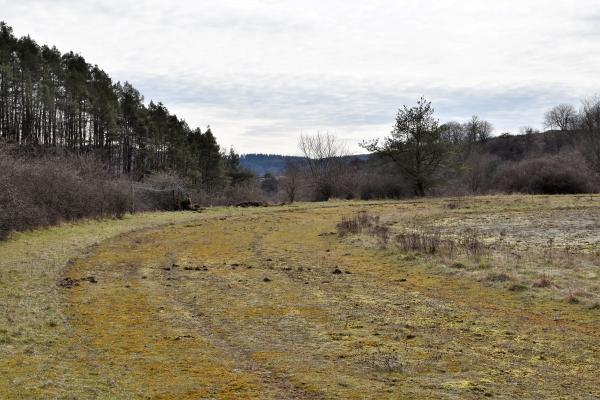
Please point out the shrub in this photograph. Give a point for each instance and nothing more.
(248, 191)
(165, 181)
(377, 186)
(51, 189)
(548, 175)
(147, 198)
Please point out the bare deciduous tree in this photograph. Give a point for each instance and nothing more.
(590, 123)
(478, 170)
(477, 130)
(590, 113)
(528, 130)
(291, 181)
(562, 116)
(323, 157)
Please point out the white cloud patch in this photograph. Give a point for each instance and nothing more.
(262, 71)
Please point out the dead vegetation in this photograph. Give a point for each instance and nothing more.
(44, 192)
(382, 360)
(496, 251)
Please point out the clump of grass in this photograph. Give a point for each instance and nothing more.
(572, 298)
(517, 287)
(357, 224)
(484, 264)
(385, 361)
(544, 282)
(414, 241)
(452, 205)
(498, 277)
(471, 244)
(418, 242)
(364, 223)
(576, 294)
(458, 265)
(409, 257)
(382, 233)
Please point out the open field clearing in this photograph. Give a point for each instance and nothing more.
(281, 303)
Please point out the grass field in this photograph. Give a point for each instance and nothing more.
(276, 303)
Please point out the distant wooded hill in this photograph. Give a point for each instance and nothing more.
(505, 147)
(275, 164)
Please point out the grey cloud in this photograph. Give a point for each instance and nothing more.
(267, 69)
(331, 103)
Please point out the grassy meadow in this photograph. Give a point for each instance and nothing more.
(482, 297)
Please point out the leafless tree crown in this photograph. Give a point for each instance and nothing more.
(323, 155)
(562, 116)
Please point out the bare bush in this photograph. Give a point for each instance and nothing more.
(291, 182)
(478, 170)
(148, 198)
(324, 164)
(361, 222)
(165, 180)
(380, 186)
(249, 191)
(46, 191)
(564, 174)
(418, 242)
(544, 282)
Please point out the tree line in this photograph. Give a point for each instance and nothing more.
(54, 100)
(427, 153)
(422, 156)
(50, 100)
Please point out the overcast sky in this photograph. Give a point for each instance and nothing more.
(261, 72)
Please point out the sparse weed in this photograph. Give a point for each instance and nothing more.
(498, 277)
(517, 287)
(357, 224)
(508, 256)
(572, 298)
(418, 242)
(544, 282)
(471, 244)
(385, 361)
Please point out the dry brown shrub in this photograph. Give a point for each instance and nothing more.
(45, 191)
(562, 174)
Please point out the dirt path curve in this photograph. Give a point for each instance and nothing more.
(272, 305)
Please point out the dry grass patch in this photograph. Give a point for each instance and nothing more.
(183, 310)
(504, 239)
(34, 333)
